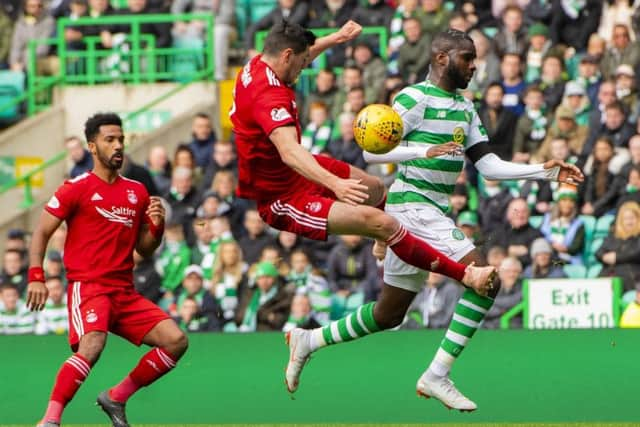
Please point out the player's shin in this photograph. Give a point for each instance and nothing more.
(152, 366)
(356, 325)
(469, 313)
(70, 377)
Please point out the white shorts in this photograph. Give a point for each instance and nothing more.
(435, 228)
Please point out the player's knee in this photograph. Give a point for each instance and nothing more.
(390, 320)
(177, 344)
(382, 225)
(91, 346)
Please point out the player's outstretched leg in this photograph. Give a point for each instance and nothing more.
(468, 315)
(169, 344)
(71, 375)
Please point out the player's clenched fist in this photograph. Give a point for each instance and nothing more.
(349, 31)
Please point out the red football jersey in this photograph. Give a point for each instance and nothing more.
(103, 222)
(262, 103)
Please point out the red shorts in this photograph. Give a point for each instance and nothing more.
(305, 208)
(122, 311)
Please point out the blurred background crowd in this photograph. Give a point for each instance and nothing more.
(555, 80)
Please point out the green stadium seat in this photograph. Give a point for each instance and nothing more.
(603, 226)
(242, 17)
(575, 271)
(185, 65)
(119, 4)
(589, 228)
(590, 253)
(594, 270)
(259, 8)
(536, 221)
(11, 87)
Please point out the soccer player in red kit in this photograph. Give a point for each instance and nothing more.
(108, 217)
(315, 195)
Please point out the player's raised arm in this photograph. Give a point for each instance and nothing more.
(37, 292)
(285, 138)
(152, 229)
(349, 31)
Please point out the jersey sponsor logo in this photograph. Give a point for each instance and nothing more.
(120, 215)
(54, 203)
(91, 317)
(458, 135)
(96, 197)
(280, 114)
(457, 234)
(131, 196)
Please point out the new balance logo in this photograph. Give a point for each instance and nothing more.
(96, 197)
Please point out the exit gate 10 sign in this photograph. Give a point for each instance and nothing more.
(570, 303)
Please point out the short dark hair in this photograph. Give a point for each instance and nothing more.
(93, 123)
(494, 84)
(8, 285)
(288, 35)
(532, 88)
(448, 40)
(617, 105)
(202, 115)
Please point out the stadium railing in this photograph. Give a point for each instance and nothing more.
(306, 81)
(141, 61)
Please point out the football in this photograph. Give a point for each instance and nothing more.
(377, 128)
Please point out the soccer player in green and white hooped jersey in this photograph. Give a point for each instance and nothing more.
(440, 128)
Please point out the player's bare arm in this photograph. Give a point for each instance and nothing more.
(349, 31)
(350, 191)
(151, 233)
(37, 292)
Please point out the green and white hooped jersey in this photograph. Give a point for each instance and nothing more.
(432, 116)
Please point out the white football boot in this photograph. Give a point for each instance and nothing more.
(299, 352)
(442, 388)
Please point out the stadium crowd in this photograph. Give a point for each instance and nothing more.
(555, 80)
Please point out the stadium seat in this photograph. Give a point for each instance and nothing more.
(603, 226)
(627, 299)
(259, 8)
(594, 270)
(589, 228)
(242, 17)
(575, 271)
(185, 65)
(119, 4)
(536, 221)
(590, 253)
(11, 87)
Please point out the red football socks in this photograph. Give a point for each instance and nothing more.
(152, 366)
(70, 377)
(418, 253)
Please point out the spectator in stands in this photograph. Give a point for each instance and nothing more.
(615, 12)
(538, 47)
(54, 318)
(73, 35)
(182, 197)
(626, 91)
(201, 249)
(316, 134)
(34, 23)
(495, 256)
(458, 21)
(351, 78)
(287, 243)
(355, 100)
(531, 128)
(97, 9)
(203, 140)
(622, 177)
(11, 8)
(344, 147)
(467, 221)
(512, 37)
(146, 279)
(433, 306)
(631, 191)
(458, 201)
(621, 51)
(352, 269)
(564, 126)
(161, 31)
(518, 235)
(542, 266)
(510, 294)
(220, 233)
(499, 121)
(434, 16)
(15, 317)
(373, 13)
(159, 167)
(301, 314)
(575, 97)
(137, 172)
(599, 179)
(413, 63)
(373, 69)
(13, 270)
(551, 81)
(192, 286)
(563, 228)
(615, 128)
(256, 238)
(324, 92)
(228, 279)
(487, 65)
(405, 9)
(17, 240)
(494, 199)
(79, 156)
(224, 185)
(223, 12)
(294, 11)
(54, 266)
(573, 22)
(512, 83)
(224, 159)
(173, 259)
(189, 317)
(589, 77)
(620, 251)
(6, 32)
(266, 306)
